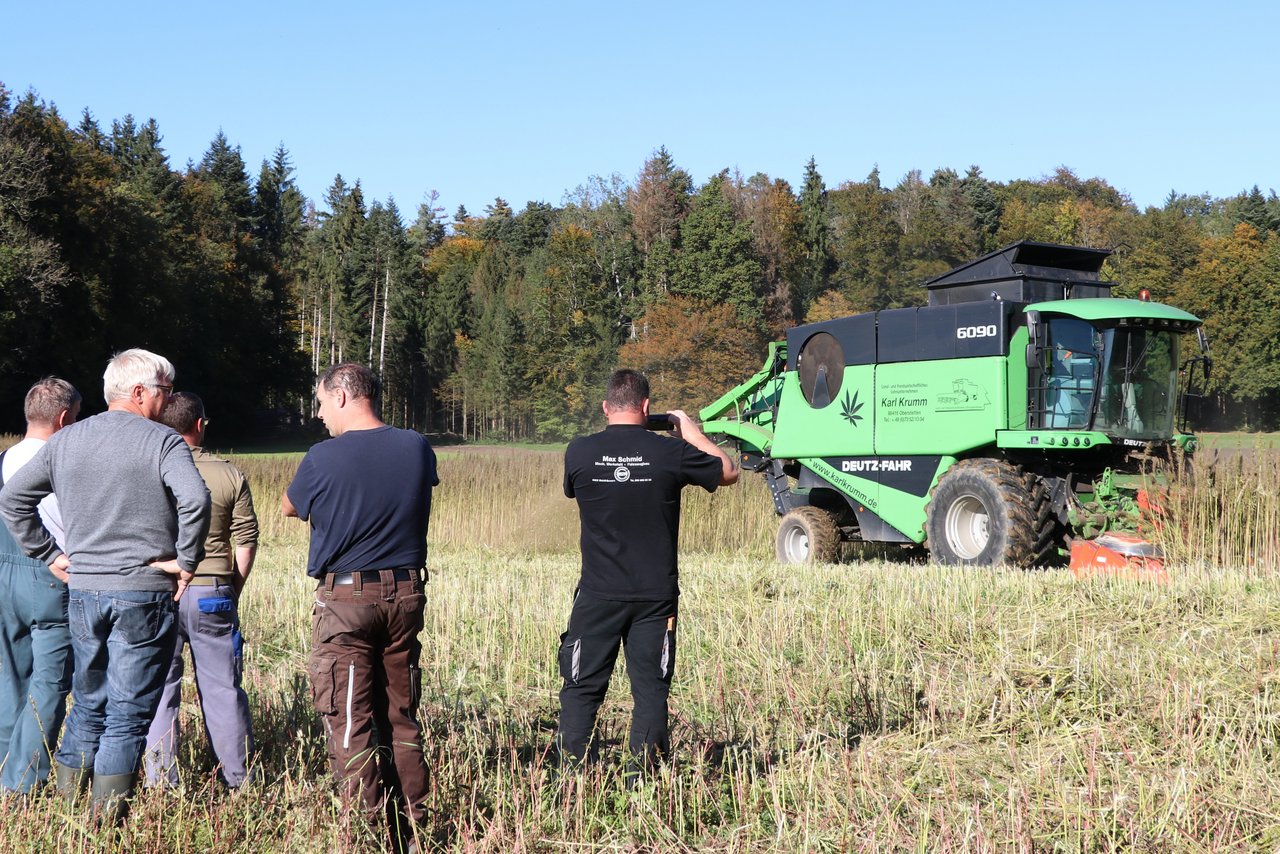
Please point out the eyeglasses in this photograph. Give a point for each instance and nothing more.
(167, 389)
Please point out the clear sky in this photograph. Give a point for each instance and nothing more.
(527, 100)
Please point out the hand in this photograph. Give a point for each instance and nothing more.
(689, 430)
(170, 567)
(61, 568)
(684, 425)
(184, 579)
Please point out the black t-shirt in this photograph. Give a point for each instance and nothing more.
(367, 494)
(627, 481)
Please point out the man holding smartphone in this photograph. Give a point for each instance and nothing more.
(627, 481)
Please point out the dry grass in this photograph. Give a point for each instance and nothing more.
(865, 706)
(512, 502)
(1223, 510)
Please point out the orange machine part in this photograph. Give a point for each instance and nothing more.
(1119, 555)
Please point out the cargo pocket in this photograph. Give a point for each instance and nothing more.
(570, 658)
(217, 615)
(320, 668)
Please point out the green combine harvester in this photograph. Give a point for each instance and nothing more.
(1015, 413)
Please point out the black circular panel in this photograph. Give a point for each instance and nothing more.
(821, 367)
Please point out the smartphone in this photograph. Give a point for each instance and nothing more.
(659, 421)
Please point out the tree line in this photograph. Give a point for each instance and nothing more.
(504, 324)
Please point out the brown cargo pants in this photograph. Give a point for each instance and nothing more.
(366, 685)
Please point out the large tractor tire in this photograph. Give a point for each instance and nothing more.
(807, 535)
(986, 512)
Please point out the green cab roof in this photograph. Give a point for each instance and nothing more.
(1111, 308)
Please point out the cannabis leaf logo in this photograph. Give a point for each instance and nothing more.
(849, 408)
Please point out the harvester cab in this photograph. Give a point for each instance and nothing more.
(1016, 412)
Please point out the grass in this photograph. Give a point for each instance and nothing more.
(1223, 510)
(1240, 441)
(862, 706)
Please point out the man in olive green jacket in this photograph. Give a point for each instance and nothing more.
(208, 617)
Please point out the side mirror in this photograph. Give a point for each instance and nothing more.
(1033, 339)
(1203, 340)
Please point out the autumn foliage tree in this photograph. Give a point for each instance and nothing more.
(1233, 286)
(692, 352)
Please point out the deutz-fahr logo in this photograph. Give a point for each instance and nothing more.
(849, 408)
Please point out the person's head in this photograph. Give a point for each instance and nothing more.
(185, 413)
(51, 404)
(139, 379)
(349, 394)
(626, 395)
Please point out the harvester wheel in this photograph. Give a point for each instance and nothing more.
(807, 535)
(986, 511)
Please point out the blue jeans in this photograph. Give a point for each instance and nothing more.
(123, 643)
(35, 669)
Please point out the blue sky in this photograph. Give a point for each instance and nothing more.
(527, 100)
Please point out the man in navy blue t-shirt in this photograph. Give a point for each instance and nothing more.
(627, 482)
(367, 494)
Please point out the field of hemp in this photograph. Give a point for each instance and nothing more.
(878, 704)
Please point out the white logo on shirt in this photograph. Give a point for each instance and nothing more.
(618, 469)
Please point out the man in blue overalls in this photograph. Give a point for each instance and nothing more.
(35, 642)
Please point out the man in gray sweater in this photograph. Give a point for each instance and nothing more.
(136, 512)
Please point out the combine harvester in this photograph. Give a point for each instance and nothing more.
(1012, 420)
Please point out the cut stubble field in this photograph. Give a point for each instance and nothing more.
(877, 704)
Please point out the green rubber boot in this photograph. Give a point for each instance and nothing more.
(72, 783)
(111, 797)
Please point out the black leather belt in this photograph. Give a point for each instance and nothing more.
(371, 576)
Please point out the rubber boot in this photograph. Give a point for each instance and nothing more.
(72, 783)
(111, 797)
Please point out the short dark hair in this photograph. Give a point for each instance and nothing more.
(626, 389)
(182, 412)
(355, 379)
(47, 399)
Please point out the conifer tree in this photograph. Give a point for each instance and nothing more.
(816, 263)
(658, 203)
(223, 167)
(865, 244)
(717, 263)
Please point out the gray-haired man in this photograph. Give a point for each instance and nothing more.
(136, 514)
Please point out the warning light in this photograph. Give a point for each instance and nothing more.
(1144, 295)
